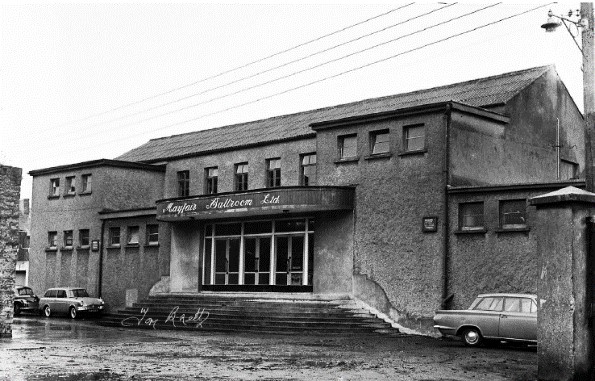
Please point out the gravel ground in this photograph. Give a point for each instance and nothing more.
(60, 349)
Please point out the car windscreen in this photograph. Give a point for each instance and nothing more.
(25, 291)
(80, 293)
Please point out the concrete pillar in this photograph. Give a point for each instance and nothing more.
(565, 337)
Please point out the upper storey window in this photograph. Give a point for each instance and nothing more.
(379, 142)
(211, 177)
(54, 187)
(414, 138)
(347, 145)
(86, 183)
(273, 173)
(308, 169)
(241, 179)
(70, 185)
(183, 183)
(471, 216)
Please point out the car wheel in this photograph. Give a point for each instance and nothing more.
(47, 312)
(17, 309)
(472, 337)
(72, 312)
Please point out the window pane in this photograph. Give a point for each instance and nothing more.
(114, 236)
(52, 239)
(285, 226)
(380, 142)
(183, 183)
(513, 213)
(308, 170)
(471, 215)
(68, 238)
(54, 187)
(228, 229)
(414, 138)
(512, 305)
(133, 235)
(86, 183)
(70, 185)
(348, 146)
(258, 227)
(84, 237)
(152, 234)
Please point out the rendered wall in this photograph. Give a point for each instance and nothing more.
(10, 184)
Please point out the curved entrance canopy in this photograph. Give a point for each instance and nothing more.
(257, 202)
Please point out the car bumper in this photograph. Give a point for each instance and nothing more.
(89, 308)
(445, 330)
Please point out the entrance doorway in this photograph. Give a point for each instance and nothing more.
(259, 255)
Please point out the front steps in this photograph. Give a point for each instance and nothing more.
(264, 313)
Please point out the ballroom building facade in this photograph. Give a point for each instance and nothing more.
(407, 203)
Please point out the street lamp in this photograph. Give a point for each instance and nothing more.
(582, 20)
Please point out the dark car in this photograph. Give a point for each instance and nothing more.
(69, 300)
(25, 300)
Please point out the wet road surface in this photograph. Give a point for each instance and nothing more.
(62, 349)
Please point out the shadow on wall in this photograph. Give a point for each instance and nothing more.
(372, 295)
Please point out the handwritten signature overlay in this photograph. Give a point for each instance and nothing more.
(173, 318)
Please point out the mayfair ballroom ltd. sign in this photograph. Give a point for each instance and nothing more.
(300, 199)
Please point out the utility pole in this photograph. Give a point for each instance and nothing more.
(588, 91)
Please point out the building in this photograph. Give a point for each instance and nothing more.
(407, 203)
(22, 267)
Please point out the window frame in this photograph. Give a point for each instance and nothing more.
(241, 178)
(304, 179)
(131, 232)
(70, 186)
(111, 236)
(273, 176)
(373, 140)
(341, 147)
(68, 239)
(149, 234)
(501, 215)
(86, 183)
(462, 217)
(81, 236)
(211, 181)
(52, 240)
(183, 181)
(54, 187)
(407, 139)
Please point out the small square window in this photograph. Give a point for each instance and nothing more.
(347, 146)
(183, 183)
(70, 185)
(114, 236)
(379, 142)
(55, 187)
(133, 235)
(68, 238)
(52, 240)
(568, 170)
(471, 216)
(414, 138)
(241, 177)
(513, 214)
(211, 180)
(152, 234)
(86, 183)
(273, 173)
(84, 237)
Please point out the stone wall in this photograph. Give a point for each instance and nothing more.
(10, 184)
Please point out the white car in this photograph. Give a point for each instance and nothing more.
(69, 300)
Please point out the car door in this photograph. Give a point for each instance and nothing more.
(61, 302)
(518, 319)
(487, 316)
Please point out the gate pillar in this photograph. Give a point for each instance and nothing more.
(565, 332)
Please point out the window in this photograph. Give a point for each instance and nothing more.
(241, 179)
(379, 142)
(84, 237)
(68, 238)
(273, 173)
(414, 138)
(211, 175)
(114, 236)
(52, 240)
(54, 187)
(152, 234)
(133, 235)
(347, 146)
(70, 185)
(568, 170)
(490, 304)
(471, 216)
(513, 214)
(86, 183)
(183, 183)
(308, 169)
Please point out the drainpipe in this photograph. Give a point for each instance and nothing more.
(445, 297)
(100, 274)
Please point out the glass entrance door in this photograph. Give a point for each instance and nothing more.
(227, 261)
(257, 260)
(289, 260)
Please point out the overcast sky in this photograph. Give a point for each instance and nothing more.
(82, 82)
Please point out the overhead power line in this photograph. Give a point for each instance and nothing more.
(231, 70)
(331, 76)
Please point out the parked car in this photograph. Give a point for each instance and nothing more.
(505, 317)
(24, 300)
(69, 300)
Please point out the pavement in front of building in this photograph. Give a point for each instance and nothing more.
(62, 349)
